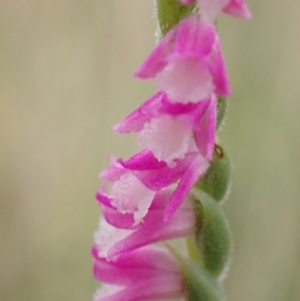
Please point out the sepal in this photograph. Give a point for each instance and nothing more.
(212, 237)
(216, 181)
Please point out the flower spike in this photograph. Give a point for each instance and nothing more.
(173, 186)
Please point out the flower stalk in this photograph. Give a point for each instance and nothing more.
(172, 187)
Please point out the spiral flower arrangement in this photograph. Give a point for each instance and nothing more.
(173, 187)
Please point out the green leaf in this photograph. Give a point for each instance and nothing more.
(212, 237)
(199, 284)
(216, 181)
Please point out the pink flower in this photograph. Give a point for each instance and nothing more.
(209, 9)
(118, 233)
(135, 181)
(188, 64)
(149, 273)
(167, 129)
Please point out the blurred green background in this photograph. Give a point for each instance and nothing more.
(66, 78)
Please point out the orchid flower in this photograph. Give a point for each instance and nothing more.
(118, 233)
(135, 181)
(187, 64)
(166, 128)
(149, 273)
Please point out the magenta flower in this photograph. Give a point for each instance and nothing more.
(210, 9)
(135, 181)
(188, 64)
(149, 273)
(167, 128)
(118, 234)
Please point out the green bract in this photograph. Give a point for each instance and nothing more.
(216, 181)
(212, 235)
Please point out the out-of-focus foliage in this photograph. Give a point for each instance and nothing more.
(66, 78)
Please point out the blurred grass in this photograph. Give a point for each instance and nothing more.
(66, 78)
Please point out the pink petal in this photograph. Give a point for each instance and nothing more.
(190, 38)
(211, 8)
(155, 106)
(135, 121)
(115, 273)
(238, 8)
(148, 273)
(205, 136)
(192, 66)
(152, 173)
(196, 169)
(194, 117)
(178, 108)
(114, 172)
(164, 176)
(155, 229)
(151, 259)
(153, 289)
(113, 216)
(143, 160)
(185, 78)
(158, 59)
(194, 38)
(218, 70)
(107, 236)
(161, 177)
(126, 221)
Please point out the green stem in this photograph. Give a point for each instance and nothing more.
(169, 13)
(222, 110)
